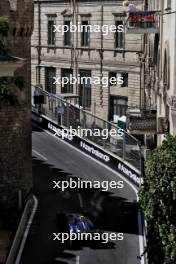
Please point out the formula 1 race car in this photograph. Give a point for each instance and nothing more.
(75, 223)
(78, 230)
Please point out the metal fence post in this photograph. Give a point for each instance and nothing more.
(68, 121)
(124, 146)
(84, 119)
(141, 163)
(61, 119)
(104, 140)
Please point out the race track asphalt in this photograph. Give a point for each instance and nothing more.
(112, 211)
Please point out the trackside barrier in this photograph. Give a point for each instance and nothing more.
(105, 157)
(123, 154)
(67, 115)
(92, 149)
(20, 231)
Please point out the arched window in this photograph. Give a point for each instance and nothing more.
(156, 49)
(165, 77)
(166, 72)
(158, 64)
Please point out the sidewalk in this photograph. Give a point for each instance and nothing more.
(5, 242)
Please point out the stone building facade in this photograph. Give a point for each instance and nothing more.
(160, 67)
(88, 54)
(15, 120)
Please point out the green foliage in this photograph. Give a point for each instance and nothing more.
(158, 200)
(7, 84)
(4, 27)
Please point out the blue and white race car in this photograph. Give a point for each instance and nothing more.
(75, 223)
(79, 223)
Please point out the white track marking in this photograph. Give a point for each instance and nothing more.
(17, 261)
(38, 154)
(77, 259)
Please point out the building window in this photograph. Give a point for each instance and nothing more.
(119, 36)
(66, 86)
(125, 79)
(85, 88)
(37, 74)
(160, 104)
(168, 4)
(156, 49)
(118, 106)
(67, 34)
(50, 73)
(51, 33)
(112, 75)
(85, 34)
(115, 75)
(166, 72)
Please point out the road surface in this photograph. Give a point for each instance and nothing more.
(112, 211)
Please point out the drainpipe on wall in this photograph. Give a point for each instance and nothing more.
(39, 43)
(101, 55)
(161, 40)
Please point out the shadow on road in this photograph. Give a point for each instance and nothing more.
(109, 212)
